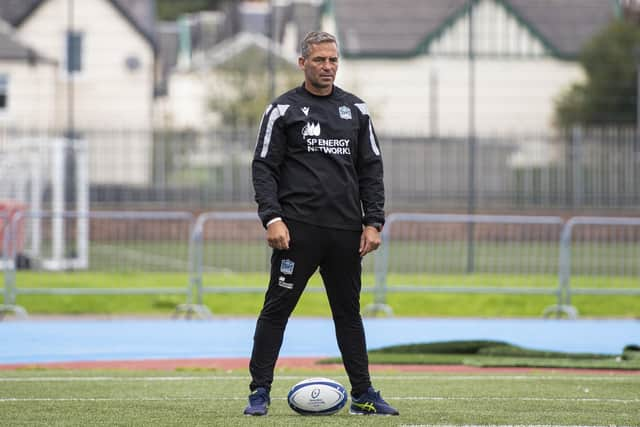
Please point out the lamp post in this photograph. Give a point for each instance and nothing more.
(636, 140)
(471, 184)
(70, 71)
(636, 52)
(271, 60)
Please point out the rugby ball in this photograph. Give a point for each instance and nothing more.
(317, 396)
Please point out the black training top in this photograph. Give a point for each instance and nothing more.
(318, 161)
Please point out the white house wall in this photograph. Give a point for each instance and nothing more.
(516, 80)
(424, 96)
(186, 105)
(106, 94)
(31, 95)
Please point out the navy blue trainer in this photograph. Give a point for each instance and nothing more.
(371, 403)
(258, 402)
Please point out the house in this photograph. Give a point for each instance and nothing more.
(412, 63)
(27, 85)
(234, 69)
(237, 65)
(27, 95)
(104, 79)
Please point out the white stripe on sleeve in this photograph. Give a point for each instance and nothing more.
(372, 139)
(266, 111)
(276, 113)
(363, 108)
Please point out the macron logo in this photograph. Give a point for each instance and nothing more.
(311, 129)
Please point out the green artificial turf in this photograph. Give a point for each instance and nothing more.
(225, 294)
(139, 398)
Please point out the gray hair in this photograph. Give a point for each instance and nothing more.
(315, 37)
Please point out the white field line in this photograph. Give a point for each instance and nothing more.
(243, 398)
(614, 378)
(495, 425)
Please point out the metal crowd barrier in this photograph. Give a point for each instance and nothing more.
(9, 271)
(243, 228)
(469, 256)
(196, 263)
(253, 253)
(128, 238)
(226, 242)
(603, 233)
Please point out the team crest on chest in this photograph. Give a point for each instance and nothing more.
(345, 112)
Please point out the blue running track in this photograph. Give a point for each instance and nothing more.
(99, 340)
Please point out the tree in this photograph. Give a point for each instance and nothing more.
(608, 96)
(242, 87)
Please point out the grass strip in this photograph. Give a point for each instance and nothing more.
(230, 301)
(534, 362)
(497, 354)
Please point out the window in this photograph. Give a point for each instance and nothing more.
(74, 52)
(4, 92)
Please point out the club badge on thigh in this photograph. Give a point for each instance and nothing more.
(286, 266)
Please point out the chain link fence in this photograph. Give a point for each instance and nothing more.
(585, 170)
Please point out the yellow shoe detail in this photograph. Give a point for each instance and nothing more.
(367, 406)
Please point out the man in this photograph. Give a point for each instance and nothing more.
(317, 174)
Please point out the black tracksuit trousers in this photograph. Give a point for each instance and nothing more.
(336, 253)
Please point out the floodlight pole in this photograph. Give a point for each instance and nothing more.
(471, 198)
(270, 57)
(636, 140)
(637, 58)
(70, 77)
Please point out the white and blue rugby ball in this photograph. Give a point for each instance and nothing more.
(317, 396)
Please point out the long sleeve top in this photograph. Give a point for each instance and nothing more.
(317, 161)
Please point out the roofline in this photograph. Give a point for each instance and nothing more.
(415, 54)
(35, 60)
(135, 25)
(28, 13)
(28, 54)
(242, 39)
(423, 46)
(115, 4)
(546, 43)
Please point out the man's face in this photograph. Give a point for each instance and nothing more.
(320, 67)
